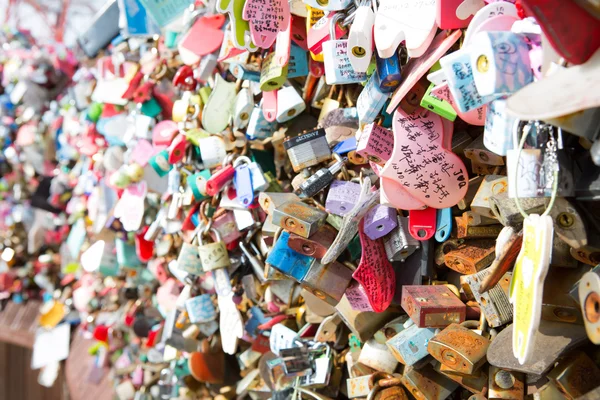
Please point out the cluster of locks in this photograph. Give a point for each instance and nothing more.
(383, 199)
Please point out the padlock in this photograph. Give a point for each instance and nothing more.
(371, 100)
(338, 70)
(377, 356)
(500, 62)
(471, 219)
(289, 104)
(213, 255)
(258, 126)
(505, 210)
(319, 180)
(288, 261)
(269, 201)
(298, 62)
(322, 370)
(409, 346)
(189, 259)
(476, 383)
(399, 245)
(504, 384)
(363, 324)
(307, 149)
(458, 70)
(388, 71)
(272, 74)
(464, 231)
(299, 218)
(160, 163)
(245, 72)
(459, 348)
(326, 28)
(439, 106)
(296, 361)
(492, 185)
(329, 5)
(425, 383)
(575, 375)
(212, 150)
(316, 245)
(375, 143)
(360, 38)
(200, 309)
(327, 282)
(471, 256)
(341, 197)
(494, 303)
(499, 125)
(477, 152)
(379, 221)
(221, 178)
(244, 105)
(432, 306)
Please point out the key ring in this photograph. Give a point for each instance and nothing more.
(526, 129)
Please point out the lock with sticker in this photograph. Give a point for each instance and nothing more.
(389, 73)
(338, 69)
(371, 100)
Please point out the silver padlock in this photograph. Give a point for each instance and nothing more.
(399, 244)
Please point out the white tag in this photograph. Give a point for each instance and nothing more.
(130, 208)
(50, 346)
(231, 325)
(350, 222)
(281, 337)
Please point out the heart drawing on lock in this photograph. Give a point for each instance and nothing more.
(468, 8)
(428, 171)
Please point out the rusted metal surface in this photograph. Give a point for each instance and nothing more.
(474, 219)
(477, 152)
(427, 384)
(505, 209)
(299, 218)
(432, 306)
(459, 348)
(476, 383)
(557, 304)
(471, 256)
(317, 245)
(575, 375)
(504, 260)
(589, 255)
(492, 185)
(327, 282)
(494, 303)
(464, 231)
(552, 340)
(504, 384)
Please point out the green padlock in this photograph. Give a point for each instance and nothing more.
(151, 108)
(272, 75)
(438, 106)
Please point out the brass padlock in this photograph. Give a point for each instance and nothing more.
(472, 256)
(328, 282)
(299, 218)
(212, 255)
(425, 383)
(575, 375)
(477, 152)
(476, 383)
(459, 348)
(492, 185)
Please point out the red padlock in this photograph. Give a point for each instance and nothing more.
(184, 78)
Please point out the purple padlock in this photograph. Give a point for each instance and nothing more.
(342, 197)
(379, 221)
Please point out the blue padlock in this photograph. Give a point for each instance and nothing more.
(245, 72)
(288, 261)
(443, 224)
(258, 126)
(298, 63)
(410, 345)
(257, 318)
(389, 72)
(371, 100)
(200, 309)
(126, 255)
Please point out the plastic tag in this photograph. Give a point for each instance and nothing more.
(404, 20)
(351, 221)
(375, 273)
(421, 223)
(266, 18)
(269, 105)
(204, 37)
(242, 181)
(527, 285)
(443, 224)
(231, 326)
(240, 28)
(281, 337)
(137, 20)
(394, 194)
(429, 172)
(454, 14)
(217, 111)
